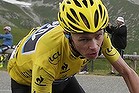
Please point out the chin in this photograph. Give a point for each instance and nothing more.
(91, 57)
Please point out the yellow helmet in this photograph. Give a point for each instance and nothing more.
(79, 16)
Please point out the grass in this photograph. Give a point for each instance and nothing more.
(100, 67)
(103, 67)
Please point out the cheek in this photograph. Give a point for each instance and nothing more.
(81, 49)
(79, 46)
(100, 41)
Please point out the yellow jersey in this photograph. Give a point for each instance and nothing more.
(43, 56)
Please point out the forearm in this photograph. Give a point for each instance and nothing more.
(132, 81)
(130, 76)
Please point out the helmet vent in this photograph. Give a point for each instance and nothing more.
(104, 14)
(100, 8)
(63, 7)
(66, 27)
(64, 22)
(85, 20)
(85, 3)
(71, 19)
(68, 2)
(96, 18)
(74, 14)
(59, 16)
(61, 19)
(74, 27)
(77, 3)
(105, 23)
(91, 2)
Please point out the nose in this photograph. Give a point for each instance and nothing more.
(93, 45)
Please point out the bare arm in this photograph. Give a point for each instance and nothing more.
(130, 76)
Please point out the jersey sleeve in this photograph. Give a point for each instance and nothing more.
(108, 50)
(41, 80)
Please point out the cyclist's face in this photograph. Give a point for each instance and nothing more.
(88, 45)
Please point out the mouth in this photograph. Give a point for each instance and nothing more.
(92, 55)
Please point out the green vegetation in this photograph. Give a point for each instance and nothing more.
(103, 67)
(48, 15)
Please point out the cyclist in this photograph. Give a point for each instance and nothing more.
(47, 60)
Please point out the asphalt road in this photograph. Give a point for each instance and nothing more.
(91, 83)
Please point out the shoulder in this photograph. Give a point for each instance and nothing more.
(123, 27)
(53, 40)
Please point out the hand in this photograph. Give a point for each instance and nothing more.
(109, 25)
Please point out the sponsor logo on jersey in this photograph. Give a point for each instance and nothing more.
(27, 74)
(64, 68)
(54, 57)
(84, 62)
(39, 81)
(110, 51)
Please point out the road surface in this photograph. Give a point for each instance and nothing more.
(91, 83)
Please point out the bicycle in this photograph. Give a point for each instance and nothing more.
(5, 55)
